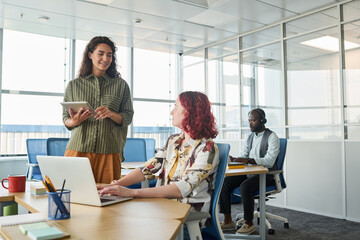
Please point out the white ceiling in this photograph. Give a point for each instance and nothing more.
(166, 25)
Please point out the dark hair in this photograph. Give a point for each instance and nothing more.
(199, 122)
(86, 64)
(262, 116)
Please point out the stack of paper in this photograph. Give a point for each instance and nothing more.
(37, 188)
(45, 233)
(40, 231)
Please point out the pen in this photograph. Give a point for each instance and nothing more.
(62, 189)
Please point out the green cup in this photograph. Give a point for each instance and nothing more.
(10, 209)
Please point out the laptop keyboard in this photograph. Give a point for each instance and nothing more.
(108, 198)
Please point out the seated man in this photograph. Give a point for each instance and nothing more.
(262, 148)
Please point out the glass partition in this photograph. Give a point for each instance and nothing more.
(262, 83)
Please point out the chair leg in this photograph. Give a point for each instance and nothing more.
(30, 172)
(194, 230)
(239, 216)
(276, 217)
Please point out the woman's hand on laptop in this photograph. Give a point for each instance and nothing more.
(116, 190)
(101, 186)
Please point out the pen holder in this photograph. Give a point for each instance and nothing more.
(59, 205)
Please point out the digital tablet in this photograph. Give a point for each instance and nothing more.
(75, 106)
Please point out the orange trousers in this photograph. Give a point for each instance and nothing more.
(105, 167)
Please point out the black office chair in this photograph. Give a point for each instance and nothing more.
(270, 190)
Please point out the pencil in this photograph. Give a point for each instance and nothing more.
(52, 188)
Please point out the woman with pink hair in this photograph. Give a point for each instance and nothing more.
(187, 164)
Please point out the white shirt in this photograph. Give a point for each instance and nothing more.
(271, 154)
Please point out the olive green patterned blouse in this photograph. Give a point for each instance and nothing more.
(104, 135)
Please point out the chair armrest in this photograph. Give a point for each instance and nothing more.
(32, 164)
(276, 174)
(193, 216)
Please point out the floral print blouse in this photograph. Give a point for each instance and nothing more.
(195, 171)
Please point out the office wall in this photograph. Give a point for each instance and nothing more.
(314, 178)
(352, 151)
(12, 165)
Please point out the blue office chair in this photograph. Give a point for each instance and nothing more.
(278, 186)
(213, 231)
(34, 148)
(56, 146)
(150, 148)
(135, 151)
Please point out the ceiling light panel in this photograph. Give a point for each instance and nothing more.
(165, 8)
(329, 43)
(212, 18)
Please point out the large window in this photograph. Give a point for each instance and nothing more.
(313, 87)
(34, 62)
(154, 94)
(34, 74)
(262, 85)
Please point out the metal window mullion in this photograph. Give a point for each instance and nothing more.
(342, 102)
(240, 66)
(220, 94)
(131, 61)
(72, 52)
(206, 77)
(180, 74)
(284, 80)
(284, 92)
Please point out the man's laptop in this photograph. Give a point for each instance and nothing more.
(79, 179)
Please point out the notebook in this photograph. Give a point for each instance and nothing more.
(12, 230)
(79, 179)
(236, 165)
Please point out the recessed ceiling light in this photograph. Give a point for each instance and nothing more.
(329, 43)
(43, 19)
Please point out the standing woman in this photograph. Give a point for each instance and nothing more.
(99, 136)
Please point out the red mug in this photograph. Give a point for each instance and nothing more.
(16, 183)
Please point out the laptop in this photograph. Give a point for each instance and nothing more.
(79, 179)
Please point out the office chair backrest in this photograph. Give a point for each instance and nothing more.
(56, 146)
(281, 159)
(35, 147)
(135, 150)
(150, 148)
(214, 229)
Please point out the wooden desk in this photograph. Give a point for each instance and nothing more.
(150, 218)
(254, 169)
